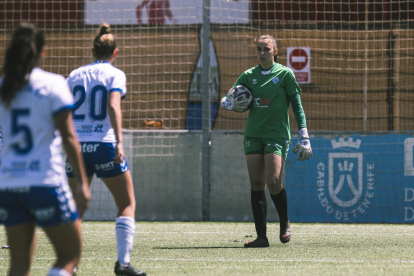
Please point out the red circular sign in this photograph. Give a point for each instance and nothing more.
(298, 59)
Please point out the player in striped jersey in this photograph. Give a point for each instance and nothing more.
(267, 134)
(36, 119)
(98, 89)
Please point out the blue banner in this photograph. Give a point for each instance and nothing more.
(353, 179)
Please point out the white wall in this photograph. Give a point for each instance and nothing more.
(167, 169)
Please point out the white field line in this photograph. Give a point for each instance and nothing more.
(243, 233)
(336, 261)
(242, 267)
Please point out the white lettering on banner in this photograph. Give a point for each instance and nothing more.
(409, 171)
(409, 157)
(409, 213)
(345, 186)
(409, 194)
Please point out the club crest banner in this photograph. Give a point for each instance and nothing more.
(353, 179)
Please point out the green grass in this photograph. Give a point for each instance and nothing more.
(200, 248)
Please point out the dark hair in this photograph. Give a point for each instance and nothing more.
(104, 43)
(21, 57)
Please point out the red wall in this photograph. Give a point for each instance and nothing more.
(41, 12)
(331, 10)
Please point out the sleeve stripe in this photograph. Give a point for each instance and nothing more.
(118, 90)
(63, 108)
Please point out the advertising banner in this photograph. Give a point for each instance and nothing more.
(164, 12)
(353, 179)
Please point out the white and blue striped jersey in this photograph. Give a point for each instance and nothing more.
(90, 86)
(31, 153)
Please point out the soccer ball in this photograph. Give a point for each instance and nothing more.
(241, 97)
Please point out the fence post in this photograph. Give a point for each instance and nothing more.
(206, 117)
(391, 87)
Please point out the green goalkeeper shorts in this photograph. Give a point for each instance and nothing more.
(277, 146)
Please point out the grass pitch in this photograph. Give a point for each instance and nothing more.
(201, 248)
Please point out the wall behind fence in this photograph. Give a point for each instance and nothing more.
(349, 178)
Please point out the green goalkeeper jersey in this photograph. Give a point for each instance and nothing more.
(272, 90)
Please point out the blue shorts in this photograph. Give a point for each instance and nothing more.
(99, 159)
(47, 206)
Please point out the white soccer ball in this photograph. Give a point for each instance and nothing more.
(241, 97)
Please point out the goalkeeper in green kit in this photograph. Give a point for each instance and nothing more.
(267, 134)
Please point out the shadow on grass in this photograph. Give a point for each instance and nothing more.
(212, 247)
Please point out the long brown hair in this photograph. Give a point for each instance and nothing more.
(21, 57)
(104, 43)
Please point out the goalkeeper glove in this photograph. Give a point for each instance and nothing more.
(241, 103)
(227, 105)
(303, 145)
(238, 105)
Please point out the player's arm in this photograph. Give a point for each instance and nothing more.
(168, 12)
(298, 110)
(138, 10)
(63, 122)
(303, 145)
(115, 115)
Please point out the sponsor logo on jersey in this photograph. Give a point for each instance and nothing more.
(68, 168)
(98, 129)
(21, 167)
(88, 148)
(34, 165)
(254, 81)
(45, 213)
(85, 129)
(349, 189)
(105, 167)
(261, 102)
(275, 80)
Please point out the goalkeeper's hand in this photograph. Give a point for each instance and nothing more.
(227, 105)
(303, 146)
(241, 103)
